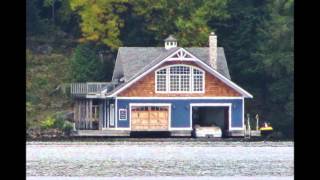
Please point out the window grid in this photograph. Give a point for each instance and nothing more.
(174, 83)
(197, 83)
(180, 79)
(185, 85)
(197, 80)
(161, 82)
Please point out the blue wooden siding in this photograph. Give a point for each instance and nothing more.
(180, 110)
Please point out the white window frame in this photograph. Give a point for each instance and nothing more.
(191, 79)
(126, 113)
(156, 79)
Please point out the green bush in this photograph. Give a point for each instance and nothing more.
(48, 123)
(68, 127)
(59, 121)
(62, 124)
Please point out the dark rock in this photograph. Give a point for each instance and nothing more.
(51, 133)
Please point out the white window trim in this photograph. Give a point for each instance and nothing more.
(122, 109)
(190, 80)
(156, 80)
(115, 113)
(243, 126)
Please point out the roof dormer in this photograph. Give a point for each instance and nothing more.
(170, 42)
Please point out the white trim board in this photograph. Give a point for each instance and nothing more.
(207, 67)
(243, 113)
(116, 112)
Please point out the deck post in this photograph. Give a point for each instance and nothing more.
(78, 115)
(81, 113)
(107, 114)
(75, 112)
(101, 109)
(86, 114)
(257, 122)
(249, 127)
(90, 113)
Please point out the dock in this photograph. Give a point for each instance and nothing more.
(101, 133)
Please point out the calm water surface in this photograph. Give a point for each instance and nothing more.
(242, 160)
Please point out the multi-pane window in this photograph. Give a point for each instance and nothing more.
(197, 80)
(174, 82)
(180, 78)
(185, 83)
(161, 80)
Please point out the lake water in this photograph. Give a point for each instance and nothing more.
(149, 160)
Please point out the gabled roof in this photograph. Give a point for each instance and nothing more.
(132, 67)
(131, 60)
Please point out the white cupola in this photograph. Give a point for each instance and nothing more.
(170, 42)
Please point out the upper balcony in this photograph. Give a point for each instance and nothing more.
(88, 88)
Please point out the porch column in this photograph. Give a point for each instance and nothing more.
(87, 114)
(80, 114)
(76, 113)
(90, 114)
(101, 114)
(105, 113)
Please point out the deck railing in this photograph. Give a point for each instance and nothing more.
(87, 88)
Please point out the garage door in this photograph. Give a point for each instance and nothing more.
(149, 118)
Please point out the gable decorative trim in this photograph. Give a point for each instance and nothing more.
(181, 55)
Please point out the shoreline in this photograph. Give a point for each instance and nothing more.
(165, 141)
(153, 139)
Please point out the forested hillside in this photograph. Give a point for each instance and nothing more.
(77, 40)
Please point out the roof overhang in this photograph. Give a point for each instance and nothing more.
(183, 55)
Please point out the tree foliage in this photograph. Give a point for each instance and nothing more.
(100, 21)
(185, 18)
(275, 57)
(87, 65)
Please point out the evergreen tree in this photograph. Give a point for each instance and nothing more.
(91, 62)
(85, 64)
(275, 57)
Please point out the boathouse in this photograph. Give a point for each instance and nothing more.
(167, 88)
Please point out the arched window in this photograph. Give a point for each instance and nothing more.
(180, 78)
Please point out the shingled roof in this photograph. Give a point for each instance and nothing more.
(132, 60)
(170, 38)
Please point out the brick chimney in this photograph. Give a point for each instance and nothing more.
(213, 50)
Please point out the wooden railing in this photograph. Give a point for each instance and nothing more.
(87, 88)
